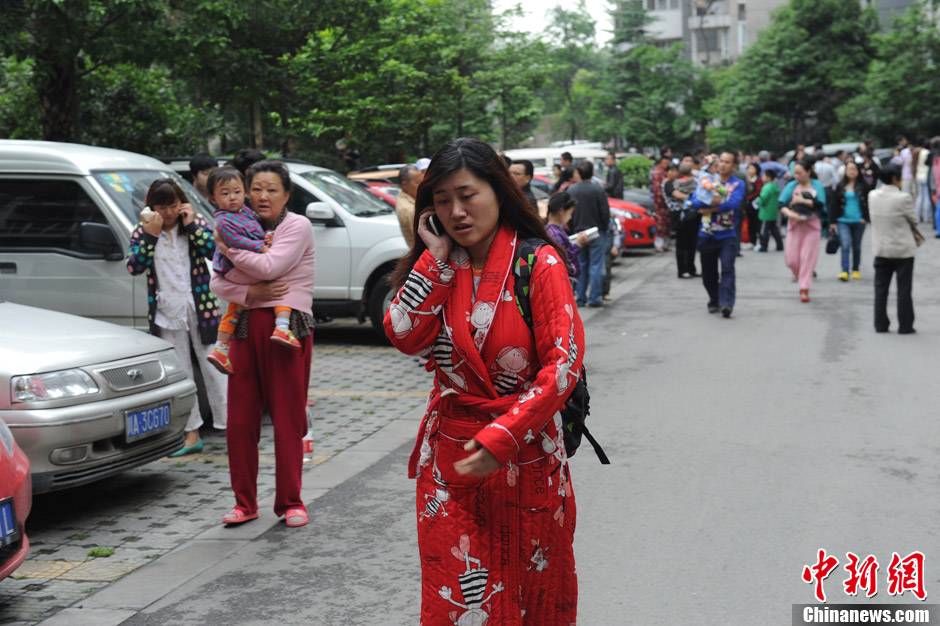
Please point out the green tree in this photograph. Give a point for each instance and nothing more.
(899, 94)
(19, 106)
(572, 37)
(787, 85)
(67, 40)
(137, 109)
(659, 93)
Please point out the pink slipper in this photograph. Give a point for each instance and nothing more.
(236, 516)
(295, 517)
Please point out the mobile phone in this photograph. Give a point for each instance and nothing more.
(435, 225)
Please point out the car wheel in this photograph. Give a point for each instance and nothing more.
(380, 298)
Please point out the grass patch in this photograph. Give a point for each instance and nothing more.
(100, 552)
(180, 464)
(79, 537)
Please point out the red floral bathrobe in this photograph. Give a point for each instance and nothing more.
(498, 549)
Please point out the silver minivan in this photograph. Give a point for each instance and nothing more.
(66, 215)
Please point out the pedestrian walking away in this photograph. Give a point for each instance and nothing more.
(717, 241)
(768, 210)
(803, 201)
(591, 211)
(893, 223)
(171, 246)
(614, 186)
(848, 216)
(269, 375)
(495, 543)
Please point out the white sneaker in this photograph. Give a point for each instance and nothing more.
(756, 248)
(747, 246)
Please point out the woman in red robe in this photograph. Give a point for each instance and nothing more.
(495, 506)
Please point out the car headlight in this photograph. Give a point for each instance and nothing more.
(171, 363)
(52, 386)
(630, 215)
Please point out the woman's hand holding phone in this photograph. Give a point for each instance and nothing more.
(433, 235)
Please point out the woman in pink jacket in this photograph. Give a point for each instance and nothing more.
(269, 375)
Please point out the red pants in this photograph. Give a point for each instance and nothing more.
(272, 376)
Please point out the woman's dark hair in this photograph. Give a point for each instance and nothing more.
(561, 201)
(807, 164)
(756, 166)
(164, 191)
(481, 160)
(270, 166)
(245, 158)
(222, 175)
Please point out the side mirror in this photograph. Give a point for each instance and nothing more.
(100, 238)
(319, 211)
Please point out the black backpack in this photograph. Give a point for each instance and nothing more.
(576, 407)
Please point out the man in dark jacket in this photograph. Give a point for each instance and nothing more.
(614, 186)
(521, 172)
(567, 169)
(591, 211)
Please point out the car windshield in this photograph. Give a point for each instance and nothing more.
(348, 195)
(128, 190)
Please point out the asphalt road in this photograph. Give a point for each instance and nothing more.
(740, 447)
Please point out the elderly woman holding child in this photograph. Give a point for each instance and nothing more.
(268, 370)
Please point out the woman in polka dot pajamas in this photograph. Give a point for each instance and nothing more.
(171, 246)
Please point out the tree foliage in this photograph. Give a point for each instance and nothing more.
(899, 93)
(787, 85)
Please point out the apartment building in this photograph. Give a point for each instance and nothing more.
(720, 30)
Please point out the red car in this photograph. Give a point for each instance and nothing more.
(638, 226)
(16, 499)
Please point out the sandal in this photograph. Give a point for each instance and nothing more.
(295, 517)
(235, 516)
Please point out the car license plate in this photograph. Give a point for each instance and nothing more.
(9, 532)
(146, 422)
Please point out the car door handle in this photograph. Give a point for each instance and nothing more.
(7, 268)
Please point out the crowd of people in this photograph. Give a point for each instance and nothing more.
(721, 204)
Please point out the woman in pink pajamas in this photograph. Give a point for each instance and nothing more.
(803, 201)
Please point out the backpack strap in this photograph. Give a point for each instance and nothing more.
(524, 265)
(526, 251)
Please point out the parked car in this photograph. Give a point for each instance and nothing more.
(641, 197)
(85, 399)
(639, 227)
(66, 216)
(386, 192)
(357, 237)
(16, 499)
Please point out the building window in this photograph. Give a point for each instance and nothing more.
(709, 39)
(742, 12)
